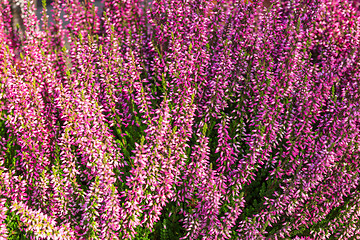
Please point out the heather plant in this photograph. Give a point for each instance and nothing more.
(224, 119)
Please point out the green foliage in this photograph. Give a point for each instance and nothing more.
(173, 230)
(15, 226)
(11, 146)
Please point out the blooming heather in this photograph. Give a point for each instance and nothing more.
(169, 119)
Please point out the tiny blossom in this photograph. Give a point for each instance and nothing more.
(224, 119)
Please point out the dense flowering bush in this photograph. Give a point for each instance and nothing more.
(179, 119)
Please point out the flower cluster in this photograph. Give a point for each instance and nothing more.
(173, 119)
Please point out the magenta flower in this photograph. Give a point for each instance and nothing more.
(223, 119)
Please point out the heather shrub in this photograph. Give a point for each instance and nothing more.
(181, 120)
